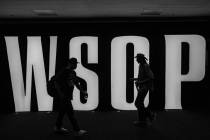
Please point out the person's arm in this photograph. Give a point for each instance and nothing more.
(149, 75)
(81, 85)
(77, 83)
(134, 79)
(76, 80)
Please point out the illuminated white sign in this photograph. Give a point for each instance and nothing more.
(89, 76)
(35, 61)
(22, 95)
(173, 66)
(118, 69)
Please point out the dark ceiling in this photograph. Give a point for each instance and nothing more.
(103, 8)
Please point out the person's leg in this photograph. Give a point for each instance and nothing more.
(70, 113)
(150, 110)
(139, 103)
(59, 121)
(73, 120)
(151, 114)
(61, 113)
(141, 110)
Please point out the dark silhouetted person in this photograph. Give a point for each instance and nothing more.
(65, 80)
(144, 83)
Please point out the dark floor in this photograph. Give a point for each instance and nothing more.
(170, 125)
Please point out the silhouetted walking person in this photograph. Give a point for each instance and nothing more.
(65, 80)
(144, 83)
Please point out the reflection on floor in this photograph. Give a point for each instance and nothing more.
(169, 125)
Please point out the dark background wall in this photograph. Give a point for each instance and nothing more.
(195, 95)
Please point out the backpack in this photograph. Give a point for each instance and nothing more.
(51, 89)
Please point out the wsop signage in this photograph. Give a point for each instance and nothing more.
(106, 63)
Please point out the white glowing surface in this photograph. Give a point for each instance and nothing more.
(118, 69)
(173, 66)
(16, 72)
(90, 76)
(35, 60)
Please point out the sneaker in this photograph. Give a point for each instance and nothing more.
(152, 116)
(140, 123)
(149, 122)
(80, 133)
(61, 130)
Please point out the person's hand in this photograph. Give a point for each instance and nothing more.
(133, 79)
(85, 94)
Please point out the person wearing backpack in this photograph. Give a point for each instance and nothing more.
(65, 81)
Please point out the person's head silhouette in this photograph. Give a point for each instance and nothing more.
(140, 58)
(72, 63)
